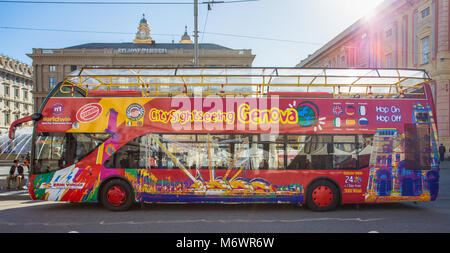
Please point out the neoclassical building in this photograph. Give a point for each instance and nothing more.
(51, 65)
(16, 85)
(399, 34)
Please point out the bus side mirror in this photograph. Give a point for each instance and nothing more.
(12, 128)
(12, 134)
(36, 116)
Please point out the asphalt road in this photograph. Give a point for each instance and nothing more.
(18, 216)
(31, 216)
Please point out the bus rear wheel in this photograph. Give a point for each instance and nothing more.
(322, 195)
(117, 195)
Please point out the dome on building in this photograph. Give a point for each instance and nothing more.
(186, 38)
(143, 20)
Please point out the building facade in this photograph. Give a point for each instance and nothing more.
(16, 85)
(399, 34)
(52, 65)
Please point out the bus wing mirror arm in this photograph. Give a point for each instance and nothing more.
(12, 128)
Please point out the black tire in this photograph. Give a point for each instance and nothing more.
(117, 195)
(322, 195)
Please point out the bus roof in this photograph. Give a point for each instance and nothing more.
(149, 82)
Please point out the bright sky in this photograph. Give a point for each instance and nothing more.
(310, 23)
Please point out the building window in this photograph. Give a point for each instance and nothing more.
(25, 94)
(73, 68)
(6, 90)
(389, 60)
(52, 82)
(388, 33)
(7, 121)
(16, 92)
(351, 57)
(52, 68)
(426, 12)
(425, 42)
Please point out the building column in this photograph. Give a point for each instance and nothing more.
(443, 111)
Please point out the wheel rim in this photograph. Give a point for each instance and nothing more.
(116, 195)
(322, 196)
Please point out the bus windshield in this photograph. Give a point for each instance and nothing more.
(54, 151)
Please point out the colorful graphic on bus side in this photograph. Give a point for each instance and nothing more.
(210, 169)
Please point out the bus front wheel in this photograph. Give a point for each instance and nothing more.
(117, 195)
(322, 195)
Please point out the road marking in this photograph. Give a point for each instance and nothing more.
(237, 221)
(115, 223)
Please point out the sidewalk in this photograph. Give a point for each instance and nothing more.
(12, 194)
(24, 195)
(445, 165)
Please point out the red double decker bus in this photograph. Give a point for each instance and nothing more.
(316, 137)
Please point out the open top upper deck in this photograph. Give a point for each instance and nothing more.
(158, 82)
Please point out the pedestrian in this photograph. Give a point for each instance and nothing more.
(27, 160)
(15, 173)
(27, 163)
(441, 152)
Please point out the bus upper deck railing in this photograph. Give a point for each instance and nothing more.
(151, 82)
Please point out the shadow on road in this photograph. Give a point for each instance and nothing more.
(178, 207)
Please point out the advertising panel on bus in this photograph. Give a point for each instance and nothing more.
(238, 114)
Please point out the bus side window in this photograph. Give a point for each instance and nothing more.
(68, 154)
(300, 162)
(309, 152)
(127, 157)
(49, 148)
(365, 146)
(345, 157)
(54, 151)
(123, 161)
(321, 152)
(344, 152)
(417, 147)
